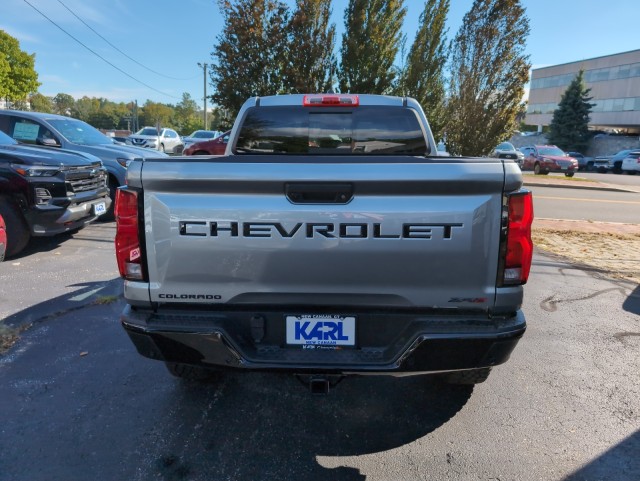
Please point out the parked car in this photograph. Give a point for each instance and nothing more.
(631, 163)
(164, 140)
(53, 130)
(200, 136)
(45, 191)
(543, 159)
(216, 146)
(614, 163)
(3, 239)
(583, 161)
(506, 150)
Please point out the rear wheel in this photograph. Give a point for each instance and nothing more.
(162, 148)
(18, 234)
(472, 376)
(568, 174)
(536, 169)
(192, 373)
(110, 214)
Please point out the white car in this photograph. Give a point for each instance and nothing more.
(631, 163)
(164, 140)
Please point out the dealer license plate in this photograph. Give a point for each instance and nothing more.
(321, 330)
(100, 208)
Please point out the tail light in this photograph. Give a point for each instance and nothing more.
(128, 252)
(517, 246)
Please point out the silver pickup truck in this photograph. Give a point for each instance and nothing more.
(330, 239)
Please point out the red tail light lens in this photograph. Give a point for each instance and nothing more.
(519, 244)
(128, 252)
(331, 100)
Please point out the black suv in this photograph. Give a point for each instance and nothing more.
(46, 191)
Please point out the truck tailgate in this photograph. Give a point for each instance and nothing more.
(416, 234)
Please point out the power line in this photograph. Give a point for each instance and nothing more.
(100, 56)
(112, 45)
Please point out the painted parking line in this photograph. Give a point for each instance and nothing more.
(577, 199)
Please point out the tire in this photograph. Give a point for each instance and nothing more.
(18, 234)
(569, 174)
(617, 168)
(111, 213)
(632, 172)
(192, 373)
(162, 148)
(472, 376)
(536, 169)
(589, 166)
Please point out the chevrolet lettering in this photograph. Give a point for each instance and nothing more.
(331, 239)
(351, 230)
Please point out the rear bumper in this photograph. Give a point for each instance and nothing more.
(390, 342)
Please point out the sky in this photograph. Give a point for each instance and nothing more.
(168, 39)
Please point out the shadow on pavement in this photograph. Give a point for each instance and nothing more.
(270, 427)
(78, 299)
(621, 462)
(47, 244)
(77, 398)
(632, 303)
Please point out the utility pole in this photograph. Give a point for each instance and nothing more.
(204, 68)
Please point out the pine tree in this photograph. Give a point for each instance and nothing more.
(250, 54)
(311, 60)
(423, 77)
(569, 128)
(488, 72)
(370, 44)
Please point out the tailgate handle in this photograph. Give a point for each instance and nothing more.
(319, 193)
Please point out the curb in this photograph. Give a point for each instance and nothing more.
(602, 187)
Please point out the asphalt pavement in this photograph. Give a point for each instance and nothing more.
(77, 401)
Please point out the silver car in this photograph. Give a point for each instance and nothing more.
(164, 140)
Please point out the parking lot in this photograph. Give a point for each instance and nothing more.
(77, 400)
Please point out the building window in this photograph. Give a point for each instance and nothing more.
(594, 75)
(603, 105)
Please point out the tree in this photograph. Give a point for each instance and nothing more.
(41, 103)
(63, 104)
(4, 77)
(310, 32)
(423, 77)
(370, 44)
(18, 77)
(487, 76)
(250, 54)
(85, 107)
(569, 128)
(186, 115)
(156, 113)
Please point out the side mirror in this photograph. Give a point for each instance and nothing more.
(47, 142)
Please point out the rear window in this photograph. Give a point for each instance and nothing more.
(329, 131)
